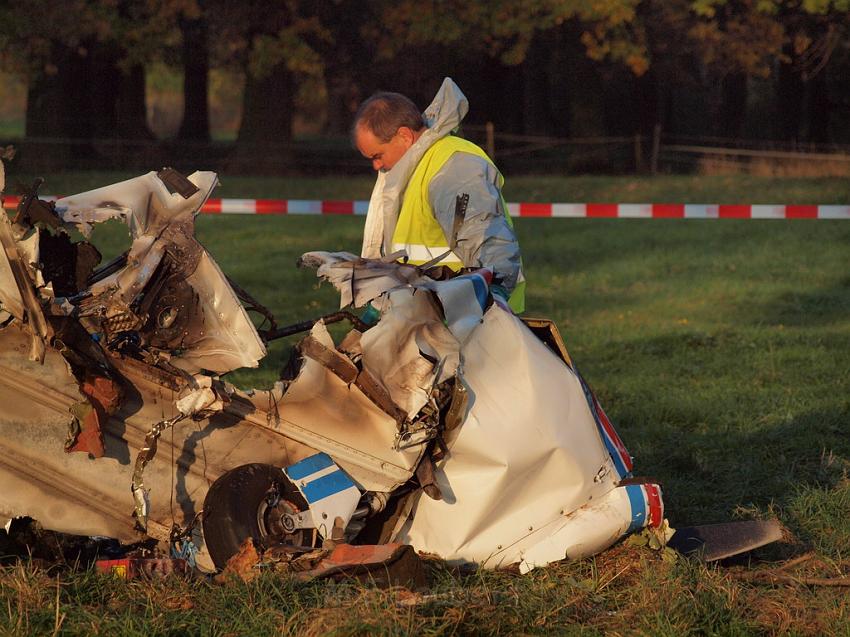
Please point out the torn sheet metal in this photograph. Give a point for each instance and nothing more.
(527, 453)
(101, 396)
(74, 493)
(382, 566)
(21, 296)
(463, 301)
(228, 339)
(197, 317)
(361, 280)
(531, 475)
(144, 203)
(479, 438)
(39, 479)
(393, 349)
(322, 410)
(205, 397)
(10, 297)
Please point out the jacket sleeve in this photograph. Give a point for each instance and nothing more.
(484, 238)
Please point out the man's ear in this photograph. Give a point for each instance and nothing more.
(407, 136)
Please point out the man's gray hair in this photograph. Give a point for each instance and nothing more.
(384, 113)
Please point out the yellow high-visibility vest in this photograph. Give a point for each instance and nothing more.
(418, 232)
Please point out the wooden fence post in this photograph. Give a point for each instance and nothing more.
(656, 147)
(491, 141)
(638, 154)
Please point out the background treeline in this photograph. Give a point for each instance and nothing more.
(706, 71)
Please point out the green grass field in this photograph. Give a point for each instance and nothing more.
(574, 189)
(721, 351)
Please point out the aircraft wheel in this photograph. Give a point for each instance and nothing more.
(253, 500)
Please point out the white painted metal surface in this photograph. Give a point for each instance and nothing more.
(528, 452)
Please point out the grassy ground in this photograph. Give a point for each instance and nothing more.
(721, 351)
(580, 189)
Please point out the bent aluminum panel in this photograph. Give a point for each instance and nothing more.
(323, 411)
(527, 453)
(73, 493)
(230, 340)
(23, 291)
(143, 203)
(589, 529)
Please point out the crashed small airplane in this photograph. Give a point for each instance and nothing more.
(448, 423)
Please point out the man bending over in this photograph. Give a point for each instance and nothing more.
(437, 196)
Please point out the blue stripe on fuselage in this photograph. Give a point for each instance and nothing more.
(619, 465)
(638, 505)
(325, 486)
(309, 466)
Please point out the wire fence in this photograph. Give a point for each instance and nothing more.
(515, 154)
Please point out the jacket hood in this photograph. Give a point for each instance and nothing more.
(446, 111)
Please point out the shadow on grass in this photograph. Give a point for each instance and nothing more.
(804, 308)
(789, 468)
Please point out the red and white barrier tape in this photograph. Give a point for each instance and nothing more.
(678, 211)
(575, 210)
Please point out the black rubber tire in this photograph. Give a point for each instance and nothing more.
(232, 505)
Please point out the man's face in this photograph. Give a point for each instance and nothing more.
(384, 155)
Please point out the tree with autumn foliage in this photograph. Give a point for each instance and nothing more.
(84, 62)
(274, 44)
(556, 67)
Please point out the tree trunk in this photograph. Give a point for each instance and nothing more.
(535, 86)
(817, 109)
(117, 98)
(344, 96)
(59, 112)
(266, 127)
(196, 69)
(45, 126)
(562, 84)
(789, 101)
(648, 103)
(510, 108)
(131, 111)
(44, 117)
(733, 107)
